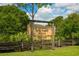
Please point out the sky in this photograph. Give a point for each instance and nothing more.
(56, 9)
(50, 12)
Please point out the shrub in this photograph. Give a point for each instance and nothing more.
(4, 38)
(19, 36)
(14, 38)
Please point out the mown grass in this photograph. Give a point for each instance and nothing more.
(63, 51)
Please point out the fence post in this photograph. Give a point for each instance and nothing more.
(72, 42)
(59, 43)
(22, 45)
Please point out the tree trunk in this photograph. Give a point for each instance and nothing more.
(32, 46)
(22, 45)
(53, 41)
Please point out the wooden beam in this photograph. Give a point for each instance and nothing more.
(39, 21)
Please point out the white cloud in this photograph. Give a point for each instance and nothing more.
(74, 7)
(44, 10)
(62, 4)
(43, 14)
(57, 9)
(71, 6)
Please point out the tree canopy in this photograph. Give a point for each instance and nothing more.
(67, 27)
(12, 19)
(12, 22)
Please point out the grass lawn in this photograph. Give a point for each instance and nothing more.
(63, 51)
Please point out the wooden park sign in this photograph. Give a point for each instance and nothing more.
(42, 32)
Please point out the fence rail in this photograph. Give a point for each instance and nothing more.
(22, 45)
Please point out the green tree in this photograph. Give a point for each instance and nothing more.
(67, 27)
(12, 20)
(59, 24)
(72, 26)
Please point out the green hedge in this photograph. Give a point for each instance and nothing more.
(14, 38)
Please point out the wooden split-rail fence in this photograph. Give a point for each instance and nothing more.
(22, 45)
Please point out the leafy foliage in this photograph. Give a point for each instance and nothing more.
(67, 27)
(59, 23)
(12, 21)
(72, 26)
(19, 36)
